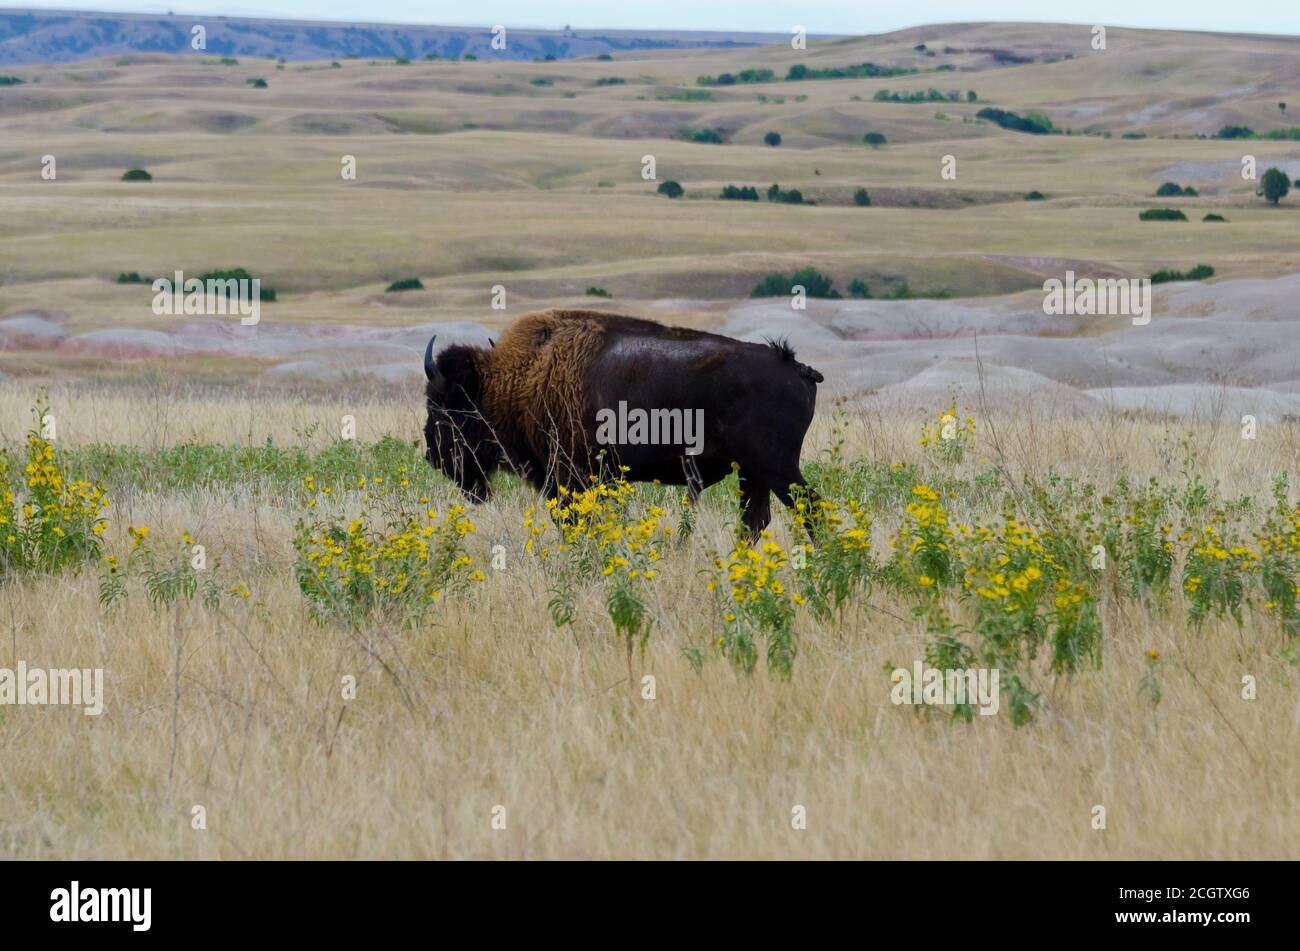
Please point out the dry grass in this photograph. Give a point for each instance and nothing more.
(493, 706)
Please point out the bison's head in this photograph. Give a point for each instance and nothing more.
(458, 440)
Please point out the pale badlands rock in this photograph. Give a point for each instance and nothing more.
(30, 331)
(121, 343)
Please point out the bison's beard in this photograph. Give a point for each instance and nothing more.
(463, 452)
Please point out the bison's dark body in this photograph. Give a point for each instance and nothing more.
(532, 404)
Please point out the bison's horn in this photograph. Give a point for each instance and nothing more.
(431, 369)
(492, 343)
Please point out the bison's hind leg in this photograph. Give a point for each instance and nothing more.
(790, 487)
(792, 490)
(755, 505)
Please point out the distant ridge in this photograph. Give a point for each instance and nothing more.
(62, 36)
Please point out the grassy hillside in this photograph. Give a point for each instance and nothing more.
(529, 174)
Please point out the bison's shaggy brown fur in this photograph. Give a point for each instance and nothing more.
(536, 375)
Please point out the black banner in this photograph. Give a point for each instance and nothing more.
(956, 901)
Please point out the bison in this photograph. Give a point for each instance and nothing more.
(567, 394)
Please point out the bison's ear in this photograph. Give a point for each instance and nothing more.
(431, 371)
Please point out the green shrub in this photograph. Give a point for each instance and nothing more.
(686, 95)
(598, 292)
(1214, 217)
(406, 284)
(1235, 132)
(858, 288)
(237, 274)
(792, 197)
(1162, 214)
(772, 138)
(923, 95)
(132, 277)
(861, 71)
(1199, 273)
(703, 136)
(611, 81)
(1035, 195)
(874, 139)
(137, 175)
(1034, 123)
(814, 283)
(1274, 185)
(743, 193)
(672, 189)
(744, 76)
(257, 82)
(861, 198)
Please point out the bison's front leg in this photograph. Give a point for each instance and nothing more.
(694, 480)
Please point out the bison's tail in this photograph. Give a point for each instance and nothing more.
(782, 346)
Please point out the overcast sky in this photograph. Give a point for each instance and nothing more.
(817, 16)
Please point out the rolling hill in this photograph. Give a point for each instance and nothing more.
(43, 36)
(529, 176)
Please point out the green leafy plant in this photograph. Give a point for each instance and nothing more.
(390, 558)
(58, 522)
